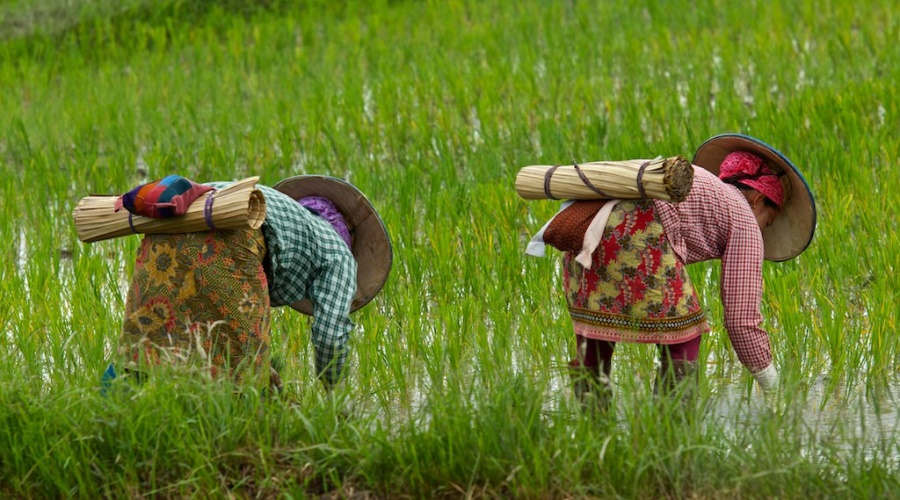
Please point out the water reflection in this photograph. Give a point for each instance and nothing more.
(851, 416)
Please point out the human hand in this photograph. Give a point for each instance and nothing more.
(768, 381)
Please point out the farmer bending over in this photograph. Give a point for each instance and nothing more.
(323, 250)
(747, 203)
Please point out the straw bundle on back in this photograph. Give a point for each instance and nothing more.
(667, 179)
(238, 205)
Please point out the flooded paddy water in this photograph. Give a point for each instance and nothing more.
(865, 413)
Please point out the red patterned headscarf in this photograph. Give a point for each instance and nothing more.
(750, 170)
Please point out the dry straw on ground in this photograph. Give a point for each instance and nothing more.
(238, 205)
(667, 179)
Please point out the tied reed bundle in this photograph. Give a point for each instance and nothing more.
(667, 179)
(236, 206)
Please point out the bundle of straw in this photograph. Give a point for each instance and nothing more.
(239, 205)
(667, 179)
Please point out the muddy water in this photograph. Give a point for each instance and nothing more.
(847, 420)
(855, 415)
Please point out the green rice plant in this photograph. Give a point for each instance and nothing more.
(458, 378)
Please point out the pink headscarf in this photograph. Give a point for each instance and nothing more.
(750, 170)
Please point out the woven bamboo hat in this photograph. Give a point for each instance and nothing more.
(790, 232)
(371, 242)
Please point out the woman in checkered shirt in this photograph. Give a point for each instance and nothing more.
(206, 296)
(747, 203)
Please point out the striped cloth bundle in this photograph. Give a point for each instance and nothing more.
(166, 197)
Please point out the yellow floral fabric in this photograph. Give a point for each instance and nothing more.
(200, 297)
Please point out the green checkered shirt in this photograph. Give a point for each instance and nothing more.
(307, 259)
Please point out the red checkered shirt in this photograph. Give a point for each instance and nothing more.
(716, 222)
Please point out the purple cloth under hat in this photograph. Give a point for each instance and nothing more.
(324, 208)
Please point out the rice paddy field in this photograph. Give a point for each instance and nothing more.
(457, 385)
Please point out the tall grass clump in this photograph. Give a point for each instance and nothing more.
(457, 383)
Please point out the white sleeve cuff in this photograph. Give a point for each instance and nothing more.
(767, 378)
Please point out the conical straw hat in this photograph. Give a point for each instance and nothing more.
(793, 229)
(371, 243)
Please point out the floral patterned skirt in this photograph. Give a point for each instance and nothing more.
(637, 289)
(200, 298)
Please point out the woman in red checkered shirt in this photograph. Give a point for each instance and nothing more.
(747, 203)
